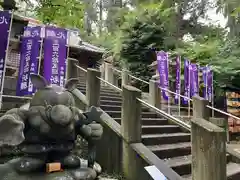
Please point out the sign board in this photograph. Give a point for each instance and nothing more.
(155, 173)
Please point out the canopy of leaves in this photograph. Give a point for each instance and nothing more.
(64, 13)
(145, 28)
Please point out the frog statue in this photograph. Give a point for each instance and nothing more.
(46, 131)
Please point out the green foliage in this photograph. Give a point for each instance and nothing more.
(146, 27)
(64, 13)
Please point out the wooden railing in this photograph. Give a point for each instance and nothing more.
(121, 150)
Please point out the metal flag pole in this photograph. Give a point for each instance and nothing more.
(180, 82)
(206, 89)
(41, 49)
(40, 58)
(189, 87)
(212, 96)
(67, 59)
(168, 94)
(6, 57)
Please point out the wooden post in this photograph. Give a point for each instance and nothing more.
(72, 71)
(93, 87)
(102, 70)
(154, 94)
(208, 144)
(109, 76)
(200, 109)
(131, 130)
(125, 77)
(221, 122)
(208, 151)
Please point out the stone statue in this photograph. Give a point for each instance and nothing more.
(46, 131)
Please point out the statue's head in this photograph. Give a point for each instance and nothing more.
(56, 100)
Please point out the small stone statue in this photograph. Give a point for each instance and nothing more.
(46, 131)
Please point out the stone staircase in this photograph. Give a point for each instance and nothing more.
(167, 140)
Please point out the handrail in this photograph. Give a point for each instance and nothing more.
(138, 79)
(110, 84)
(81, 68)
(119, 71)
(166, 115)
(18, 97)
(182, 96)
(225, 113)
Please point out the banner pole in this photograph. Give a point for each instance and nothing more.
(68, 49)
(6, 57)
(212, 96)
(67, 72)
(206, 90)
(40, 56)
(168, 94)
(180, 82)
(189, 87)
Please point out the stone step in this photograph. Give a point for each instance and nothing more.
(103, 93)
(233, 172)
(107, 102)
(118, 108)
(155, 139)
(103, 88)
(182, 164)
(151, 129)
(166, 151)
(117, 114)
(111, 98)
(149, 121)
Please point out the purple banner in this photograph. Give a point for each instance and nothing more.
(29, 60)
(54, 32)
(194, 85)
(5, 22)
(178, 78)
(162, 59)
(55, 55)
(186, 81)
(208, 83)
(32, 31)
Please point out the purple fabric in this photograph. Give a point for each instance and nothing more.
(207, 80)
(210, 85)
(186, 81)
(29, 60)
(5, 21)
(162, 60)
(55, 54)
(54, 32)
(194, 85)
(178, 78)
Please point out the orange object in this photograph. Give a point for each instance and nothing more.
(53, 167)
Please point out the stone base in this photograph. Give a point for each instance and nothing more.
(7, 172)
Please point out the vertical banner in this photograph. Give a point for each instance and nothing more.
(5, 25)
(186, 81)
(204, 76)
(208, 83)
(55, 55)
(194, 85)
(29, 59)
(178, 79)
(162, 59)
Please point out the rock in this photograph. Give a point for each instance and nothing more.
(7, 172)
